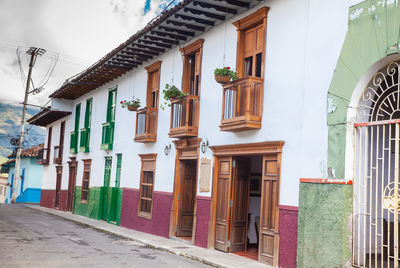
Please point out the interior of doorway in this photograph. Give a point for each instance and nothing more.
(253, 207)
(186, 199)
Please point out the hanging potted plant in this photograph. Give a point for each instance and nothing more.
(132, 105)
(171, 92)
(224, 75)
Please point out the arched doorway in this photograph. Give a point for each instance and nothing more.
(376, 171)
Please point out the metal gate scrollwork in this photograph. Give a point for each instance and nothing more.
(376, 198)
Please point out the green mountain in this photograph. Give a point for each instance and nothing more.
(10, 119)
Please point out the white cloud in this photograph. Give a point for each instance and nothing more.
(80, 31)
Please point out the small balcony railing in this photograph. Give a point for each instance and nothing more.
(107, 136)
(73, 146)
(146, 125)
(43, 156)
(58, 152)
(242, 104)
(84, 141)
(185, 117)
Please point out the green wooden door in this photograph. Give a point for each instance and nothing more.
(106, 188)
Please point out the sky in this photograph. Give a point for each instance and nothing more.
(80, 32)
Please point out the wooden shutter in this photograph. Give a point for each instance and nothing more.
(224, 179)
(77, 116)
(268, 233)
(240, 196)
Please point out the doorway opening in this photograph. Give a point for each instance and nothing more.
(183, 213)
(58, 186)
(105, 190)
(186, 199)
(72, 165)
(245, 199)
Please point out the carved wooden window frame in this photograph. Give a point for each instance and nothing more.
(252, 20)
(148, 165)
(187, 51)
(86, 168)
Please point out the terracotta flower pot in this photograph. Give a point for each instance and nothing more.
(132, 107)
(222, 79)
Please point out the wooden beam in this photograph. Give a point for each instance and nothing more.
(169, 29)
(149, 47)
(170, 35)
(236, 3)
(129, 61)
(201, 21)
(144, 51)
(157, 38)
(216, 7)
(187, 25)
(154, 43)
(205, 13)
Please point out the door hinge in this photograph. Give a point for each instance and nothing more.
(231, 203)
(180, 165)
(177, 197)
(228, 243)
(176, 228)
(233, 163)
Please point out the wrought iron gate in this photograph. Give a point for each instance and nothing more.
(376, 204)
(376, 172)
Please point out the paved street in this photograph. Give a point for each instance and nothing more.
(30, 238)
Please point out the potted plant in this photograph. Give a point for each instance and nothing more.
(171, 92)
(224, 75)
(132, 105)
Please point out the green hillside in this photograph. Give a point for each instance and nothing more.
(10, 119)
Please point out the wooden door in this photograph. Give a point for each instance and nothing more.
(106, 186)
(58, 186)
(240, 197)
(186, 198)
(71, 185)
(224, 180)
(268, 233)
(153, 89)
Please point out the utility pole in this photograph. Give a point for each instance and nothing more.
(34, 52)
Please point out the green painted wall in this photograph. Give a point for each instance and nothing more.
(373, 34)
(93, 208)
(324, 225)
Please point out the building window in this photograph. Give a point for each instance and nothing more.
(73, 146)
(243, 98)
(146, 185)
(107, 137)
(85, 180)
(85, 132)
(146, 117)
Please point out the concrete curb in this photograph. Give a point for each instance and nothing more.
(207, 256)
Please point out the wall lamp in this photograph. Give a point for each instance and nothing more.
(204, 146)
(167, 149)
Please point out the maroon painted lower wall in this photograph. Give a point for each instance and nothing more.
(48, 199)
(287, 236)
(158, 225)
(202, 220)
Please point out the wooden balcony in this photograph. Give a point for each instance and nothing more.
(242, 104)
(43, 156)
(58, 152)
(185, 117)
(146, 125)
(107, 136)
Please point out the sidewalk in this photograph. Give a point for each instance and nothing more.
(211, 257)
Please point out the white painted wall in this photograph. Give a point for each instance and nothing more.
(304, 39)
